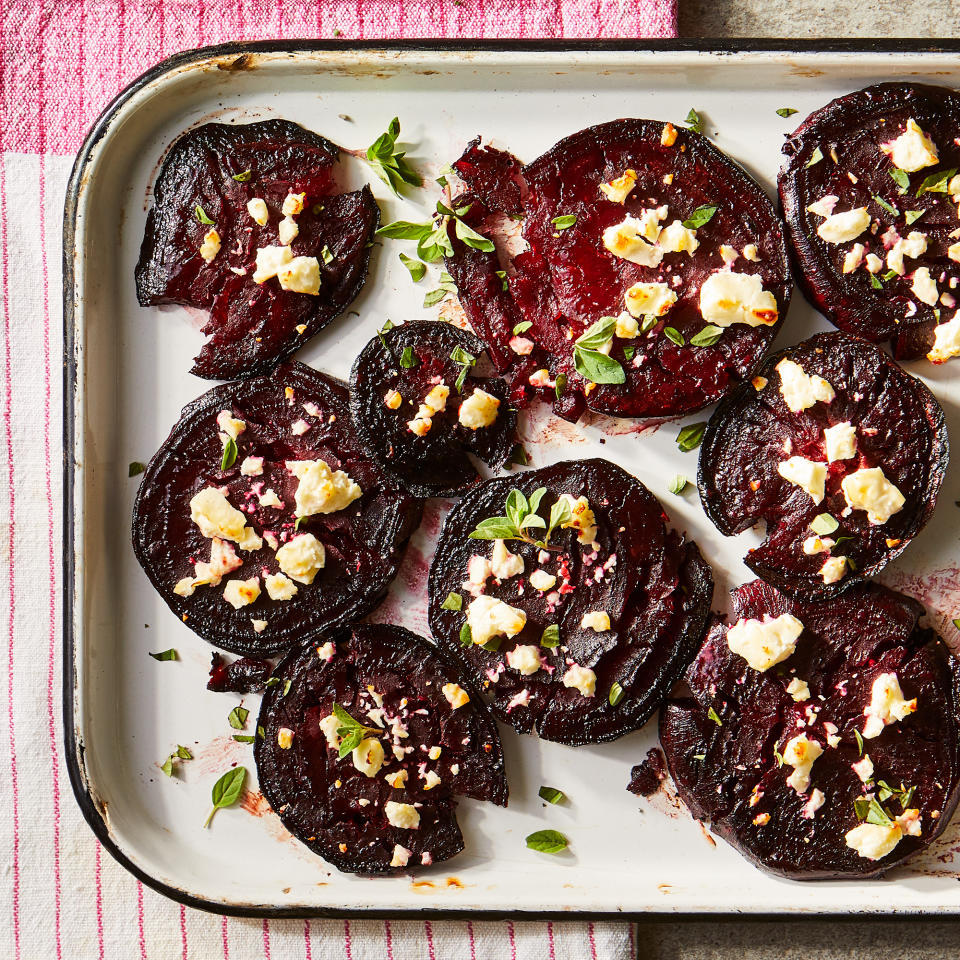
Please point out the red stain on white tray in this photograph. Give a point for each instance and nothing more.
(938, 591)
(620, 426)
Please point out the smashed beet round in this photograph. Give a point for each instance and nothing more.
(581, 635)
(838, 450)
(420, 410)
(388, 804)
(237, 175)
(870, 200)
(839, 759)
(262, 521)
(650, 232)
(246, 675)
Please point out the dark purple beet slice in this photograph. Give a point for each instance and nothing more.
(900, 429)
(435, 464)
(652, 584)
(376, 672)
(252, 326)
(567, 280)
(727, 771)
(363, 542)
(246, 675)
(847, 134)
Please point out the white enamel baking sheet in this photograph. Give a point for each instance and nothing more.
(127, 711)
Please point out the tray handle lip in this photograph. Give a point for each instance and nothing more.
(73, 750)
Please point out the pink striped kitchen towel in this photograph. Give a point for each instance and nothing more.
(61, 896)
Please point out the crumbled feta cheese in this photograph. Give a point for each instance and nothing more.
(301, 275)
(582, 519)
(251, 467)
(302, 558)
(627, 327)
(924, 287)
(284, 738)
(909, 822)
(845, 226)
(524, 658)
(620, 188)
(799, 390)
(368, 756)
(912, 150)
(392, 399)
(401, 856)
(868, 489)
(582, 679)
(765, 643)
(184, 587)
(798, 689)
(840, 441)
(488, 617)
(269, 260)
(834, 569)
(815, 802)
(853, 258)
(649, 299)
(728, 255)
(434, 752)
(230, 425)
(328, 727)
(456, 695)
(915, 245)
(874, 263)
(279, 587)
(211, 245)
(751, 253)
(436, 400)
(800, 753)
(522, 346)
(478, 569)
(216, 517)
(542, 581)
(953, 252)
(402, 815)
(669, 135)
(873, 841)
(676, 238)
(326, 651)
(270, 499)
(824, 206)
(503, 563)
(292, 204)
(321, 490)
(809, 475)
(223, 560)
(287, 230)
(631, 239)
(478, 410)
(887, 705)
(596, 620)
(257, 208)
(727, 298)
(259, 625)
(946, 341)
(397, 778)
(241, 593)
(420, 426)
(863, 768)
(814, 545)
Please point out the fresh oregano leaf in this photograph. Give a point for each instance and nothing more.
(227, 790)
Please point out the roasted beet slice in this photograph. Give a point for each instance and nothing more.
(731, 736)
(766, 454)
(246, 675)
(581, 638)
(212, 173)
(390, 805)
(420, 410)
(605, 213)
(877, 168)
(293, 570)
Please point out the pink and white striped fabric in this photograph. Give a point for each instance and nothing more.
(61, 61)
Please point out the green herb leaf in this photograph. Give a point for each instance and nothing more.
(202, 214)
(229, 454)
(466, 361)
(238, 717)
(786, 112)
(689, 437)
(778, 756)
(561, 513)
(388, 163)
(889, 207)
(714, 716)
(407, 359)
(560, 384)
(694, 121)
(522, 327)
(906, 796)
(815, 158)
(550, 637)
(912, 216)
(823, 523)
(956, 622)
(243, 738)
(471, 238)
(876, 814)
(671, 333)
(493, 644)
(227, 790)
(616, 694)
(466, 636)
(700, 216)
(936, 182)
(699, 756)
(547, 841)
(170, 654)
(287, 684)
(859, 739)
(502, 274)
(135, 468)
(885, 791)
(707, 337)
(405, 230)
(518, 455)
(272, 682)
(875, 283)
(901, 178)
(261, 733)
(242, 177)
(495, 528)
(415, 268)
(453, 601)
(564, 222)
(434, 297)
(597, 367)
(551, 795)
(628, 351)
(327, 255)
(678, 484)
(182, 753)
(167, 766)
(351, 731)
(648, 323)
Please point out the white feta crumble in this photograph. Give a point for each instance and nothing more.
(863, 768)
(800, 753)
(845, 226)
(912, 150)
(302, 558)
(618, 189)
(887, 705)
(809, 475)
(478, 410)
(946, 341)
(834, 569)
(279, 586)
(524, 658)
(321, 490)
(488, 617)
(257, 208)
(924, 287)
(251, 467)
(503, 563)
(840, 441)
(241, 593)
(648, 299)
(765, 643)
(582, 679)
(800, 390)
(727, 298)
(596, 620)
(868, 489)
(402, 815)
(798, 689)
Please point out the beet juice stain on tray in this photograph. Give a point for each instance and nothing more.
(367, 740)
(247, 224)
(583, 611)
(870, 195)
(261, 520)
(838, 450)
(420, 410)
(654, 275)
(820, 739)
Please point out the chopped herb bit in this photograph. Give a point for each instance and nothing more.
(518, 455)
(786, 112)
(388, 163)
(135, 468)
(388, 326)
(229, 454)
(551, 795)
(714, 716)
(445, 171)
(238, 717)
(689, 437)
(453, 601)
(261, 733)
(434, 297)
(242, 177)
(287, 684)
(912, 216)
(547, 841)
(671, 333)
(906, 796)
(243, 738)
(901, 178)
(699, 756)
(170, 654)
(522, 327)
(493, 644)
(875, 283)
(648, 323)
(616, 694)
(815, 158)
(956, 622)
(183, 753)
(871, 811)
(415, 267)
(272, 682)
(778, 756)
(466, 362)
(502, 274)
(466, 635)
(167, 766)
(628, 351)
(227, 790)
(678, 484)
(407, 359)
(859, 739)
(351, 731)
(700, 216)
(589, 362)
(297, 522)
(560, 384)
(823, 523)
(707, 337)
(564, 222)
(889, 207)
(327, 255)
(936, 182)
(694, 121)
(890, 275)
(202, 214)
